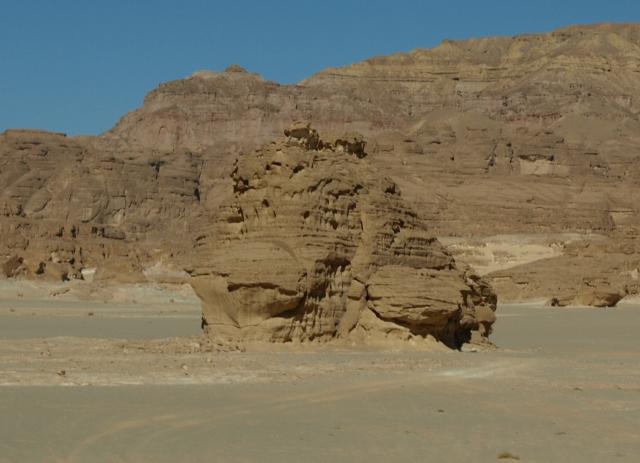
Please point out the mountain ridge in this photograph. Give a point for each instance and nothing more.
(526, 135)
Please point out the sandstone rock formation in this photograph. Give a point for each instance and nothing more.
(522, 136)
(597, 272)
(68, 204)
(311, 243)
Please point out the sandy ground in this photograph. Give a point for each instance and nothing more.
(87, 381)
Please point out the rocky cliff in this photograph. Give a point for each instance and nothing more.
(532, 137)
(72, 205)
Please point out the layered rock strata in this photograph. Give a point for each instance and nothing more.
(527, 136)
(74, 205)
(311, 243)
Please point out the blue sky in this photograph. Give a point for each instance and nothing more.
(77, 66)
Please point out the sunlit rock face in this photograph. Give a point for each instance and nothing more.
(519, 136)
(312, 243)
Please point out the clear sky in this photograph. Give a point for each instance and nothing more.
(77, 66)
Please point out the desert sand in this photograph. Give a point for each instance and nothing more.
(134, 382)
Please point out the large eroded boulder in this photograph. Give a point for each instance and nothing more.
(311, 242)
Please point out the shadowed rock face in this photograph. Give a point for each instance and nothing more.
(311, 242)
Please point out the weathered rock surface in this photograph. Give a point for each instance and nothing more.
(535, 134)
(597, 272)
(528, 135)
(68, 204)
(312, 243)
